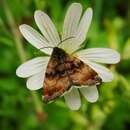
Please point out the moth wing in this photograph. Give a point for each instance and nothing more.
(56, 81)
(64, 70)
(82, 74)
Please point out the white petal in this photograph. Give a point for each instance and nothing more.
(72, 99)
(34, 38)
(84, 26)
(90, 93)
(47, 27)
(32, 67)
(101, 55)
(70, 27)
(69, 45)
(72, 20)
(35, 82)
(80, 33)
(103, 72)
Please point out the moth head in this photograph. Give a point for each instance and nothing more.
(62, 41)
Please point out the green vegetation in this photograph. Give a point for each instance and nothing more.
(21, 109)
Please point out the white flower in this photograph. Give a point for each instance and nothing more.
(75, 25)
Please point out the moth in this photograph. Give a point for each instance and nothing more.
(63, 71)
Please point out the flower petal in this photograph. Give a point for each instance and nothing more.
(90, 93)
(104, 73)
(34, 38)
(72, 20)
(47, 27)
(72, 99)
(69, 45)
(32, 67)
(84, 26)
(81, 28)
(36, 81)
(70, 27)
(101, 55)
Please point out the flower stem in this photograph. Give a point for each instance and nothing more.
(98, 10)
(20, 51)
(15, 32)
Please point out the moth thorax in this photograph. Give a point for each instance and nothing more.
(58, 53)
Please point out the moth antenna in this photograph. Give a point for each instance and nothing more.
(58, 43)
(46, 47)
(65, 40)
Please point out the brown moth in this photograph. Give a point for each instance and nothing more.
(63, 71)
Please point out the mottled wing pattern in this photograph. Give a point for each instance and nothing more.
(63, 71)
(56, 81)
(82, 74)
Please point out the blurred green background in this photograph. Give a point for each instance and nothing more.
(21, 109)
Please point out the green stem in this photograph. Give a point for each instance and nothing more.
(98, 10)
(20, 50)
(15, 32)
(37, 102)
(79, 118)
